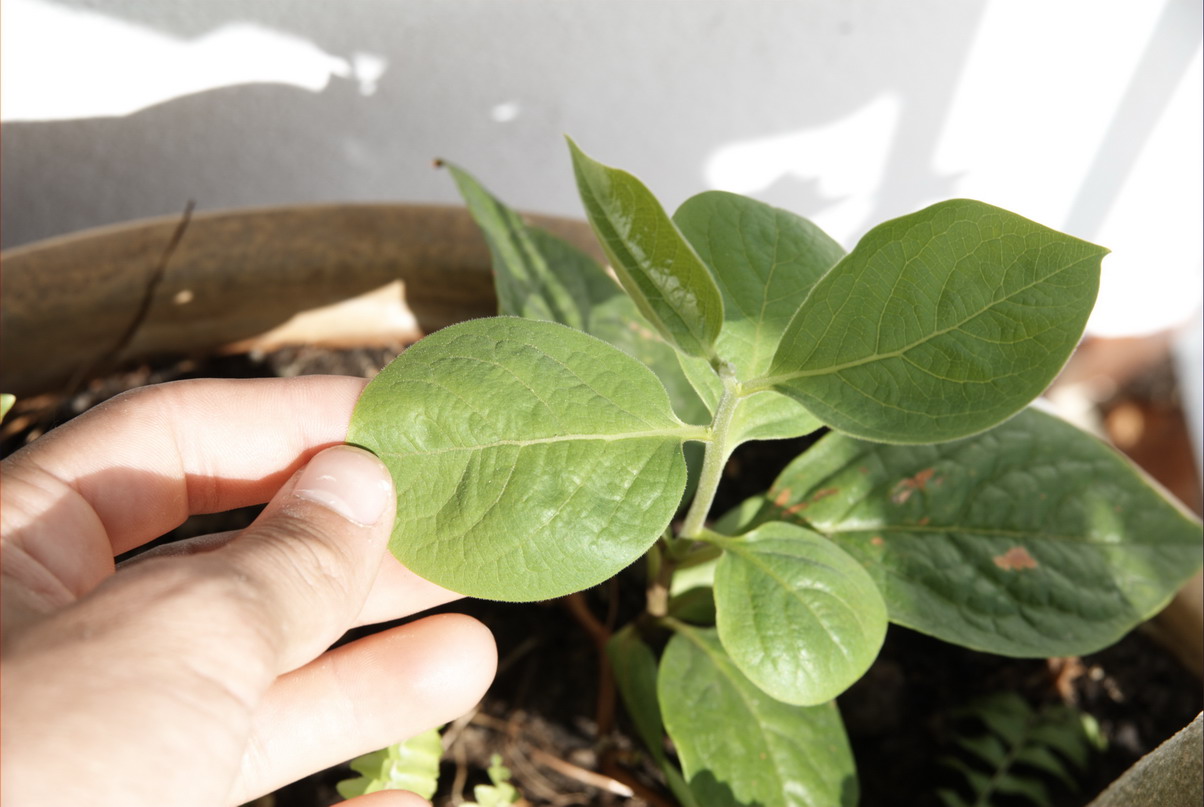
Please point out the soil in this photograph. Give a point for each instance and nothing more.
(542, 713)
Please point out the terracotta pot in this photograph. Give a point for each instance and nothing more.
(328, 274)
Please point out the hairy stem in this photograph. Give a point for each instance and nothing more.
(714, 458)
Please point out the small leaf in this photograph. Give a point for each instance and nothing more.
(1035, 791)
(1041, 758)
(530, 460)
(6, 403)
(939, 324)
(412, 765)
(769, 415)
(798, 616)
(950, 798)
(737, 745)
(939, 528)
(656, 265)
(539, 276)
(986, 747)
(764, 260)
(635, 674)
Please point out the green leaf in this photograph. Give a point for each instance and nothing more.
(656, 265)
(412, 765)
(764, 260)
(950, 798)
(6, 403)
(635, 674)
(938, 325)
(799, 616)
(1032, 539)
(737, 745)
(1040, 757)
(530, 460)
(539, 276)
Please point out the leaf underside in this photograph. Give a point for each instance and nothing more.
(530, 460)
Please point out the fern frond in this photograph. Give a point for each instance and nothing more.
(1019, 751)
(410, 765)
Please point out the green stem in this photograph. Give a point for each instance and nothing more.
(714, 457)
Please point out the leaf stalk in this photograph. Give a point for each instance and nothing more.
(714, 457)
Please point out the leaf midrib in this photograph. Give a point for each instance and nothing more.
(684, 433)
(771, 381)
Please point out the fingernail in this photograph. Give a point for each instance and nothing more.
(349, 481)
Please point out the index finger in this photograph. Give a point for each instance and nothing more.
(147, 459)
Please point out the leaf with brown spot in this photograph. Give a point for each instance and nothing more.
(1035, 487)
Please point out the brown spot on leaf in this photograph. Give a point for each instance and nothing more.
(825, 493)
(923, 521)
(783, 497)
(905, 487)
(790, 511)
(1015, 559)
(877, 540)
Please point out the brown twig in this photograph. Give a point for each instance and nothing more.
(136, 322)
(604, 706)
(583, 775)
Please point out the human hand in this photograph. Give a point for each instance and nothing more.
(201, 676)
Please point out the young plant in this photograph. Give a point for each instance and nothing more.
(1020, 750)
(539, 453)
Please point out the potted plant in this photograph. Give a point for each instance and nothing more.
(551, 457)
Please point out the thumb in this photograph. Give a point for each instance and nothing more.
(310, 558)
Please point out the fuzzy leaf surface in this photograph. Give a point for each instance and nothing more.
(540, 276)
(656, 265)
(939, 324)
(764, 260)
(530, 460)
(1032, 539)
(799, 616)
(738, 746)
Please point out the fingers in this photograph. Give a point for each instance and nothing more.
(309, 560)
(146, 460)
(397, 592)
(388, 798)
(367, 695)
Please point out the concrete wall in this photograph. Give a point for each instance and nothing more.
(1083, 115)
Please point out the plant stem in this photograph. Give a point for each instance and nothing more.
(714, 457)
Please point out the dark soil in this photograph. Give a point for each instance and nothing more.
(542, 713)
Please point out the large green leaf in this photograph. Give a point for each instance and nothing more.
(530, 460)
(656, 265)
(738, 746)
(764, 260)
(799, 616)
(540, 276)
(939, 324)
(1032, 539)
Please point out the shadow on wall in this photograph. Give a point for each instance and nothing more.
(658, 88)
